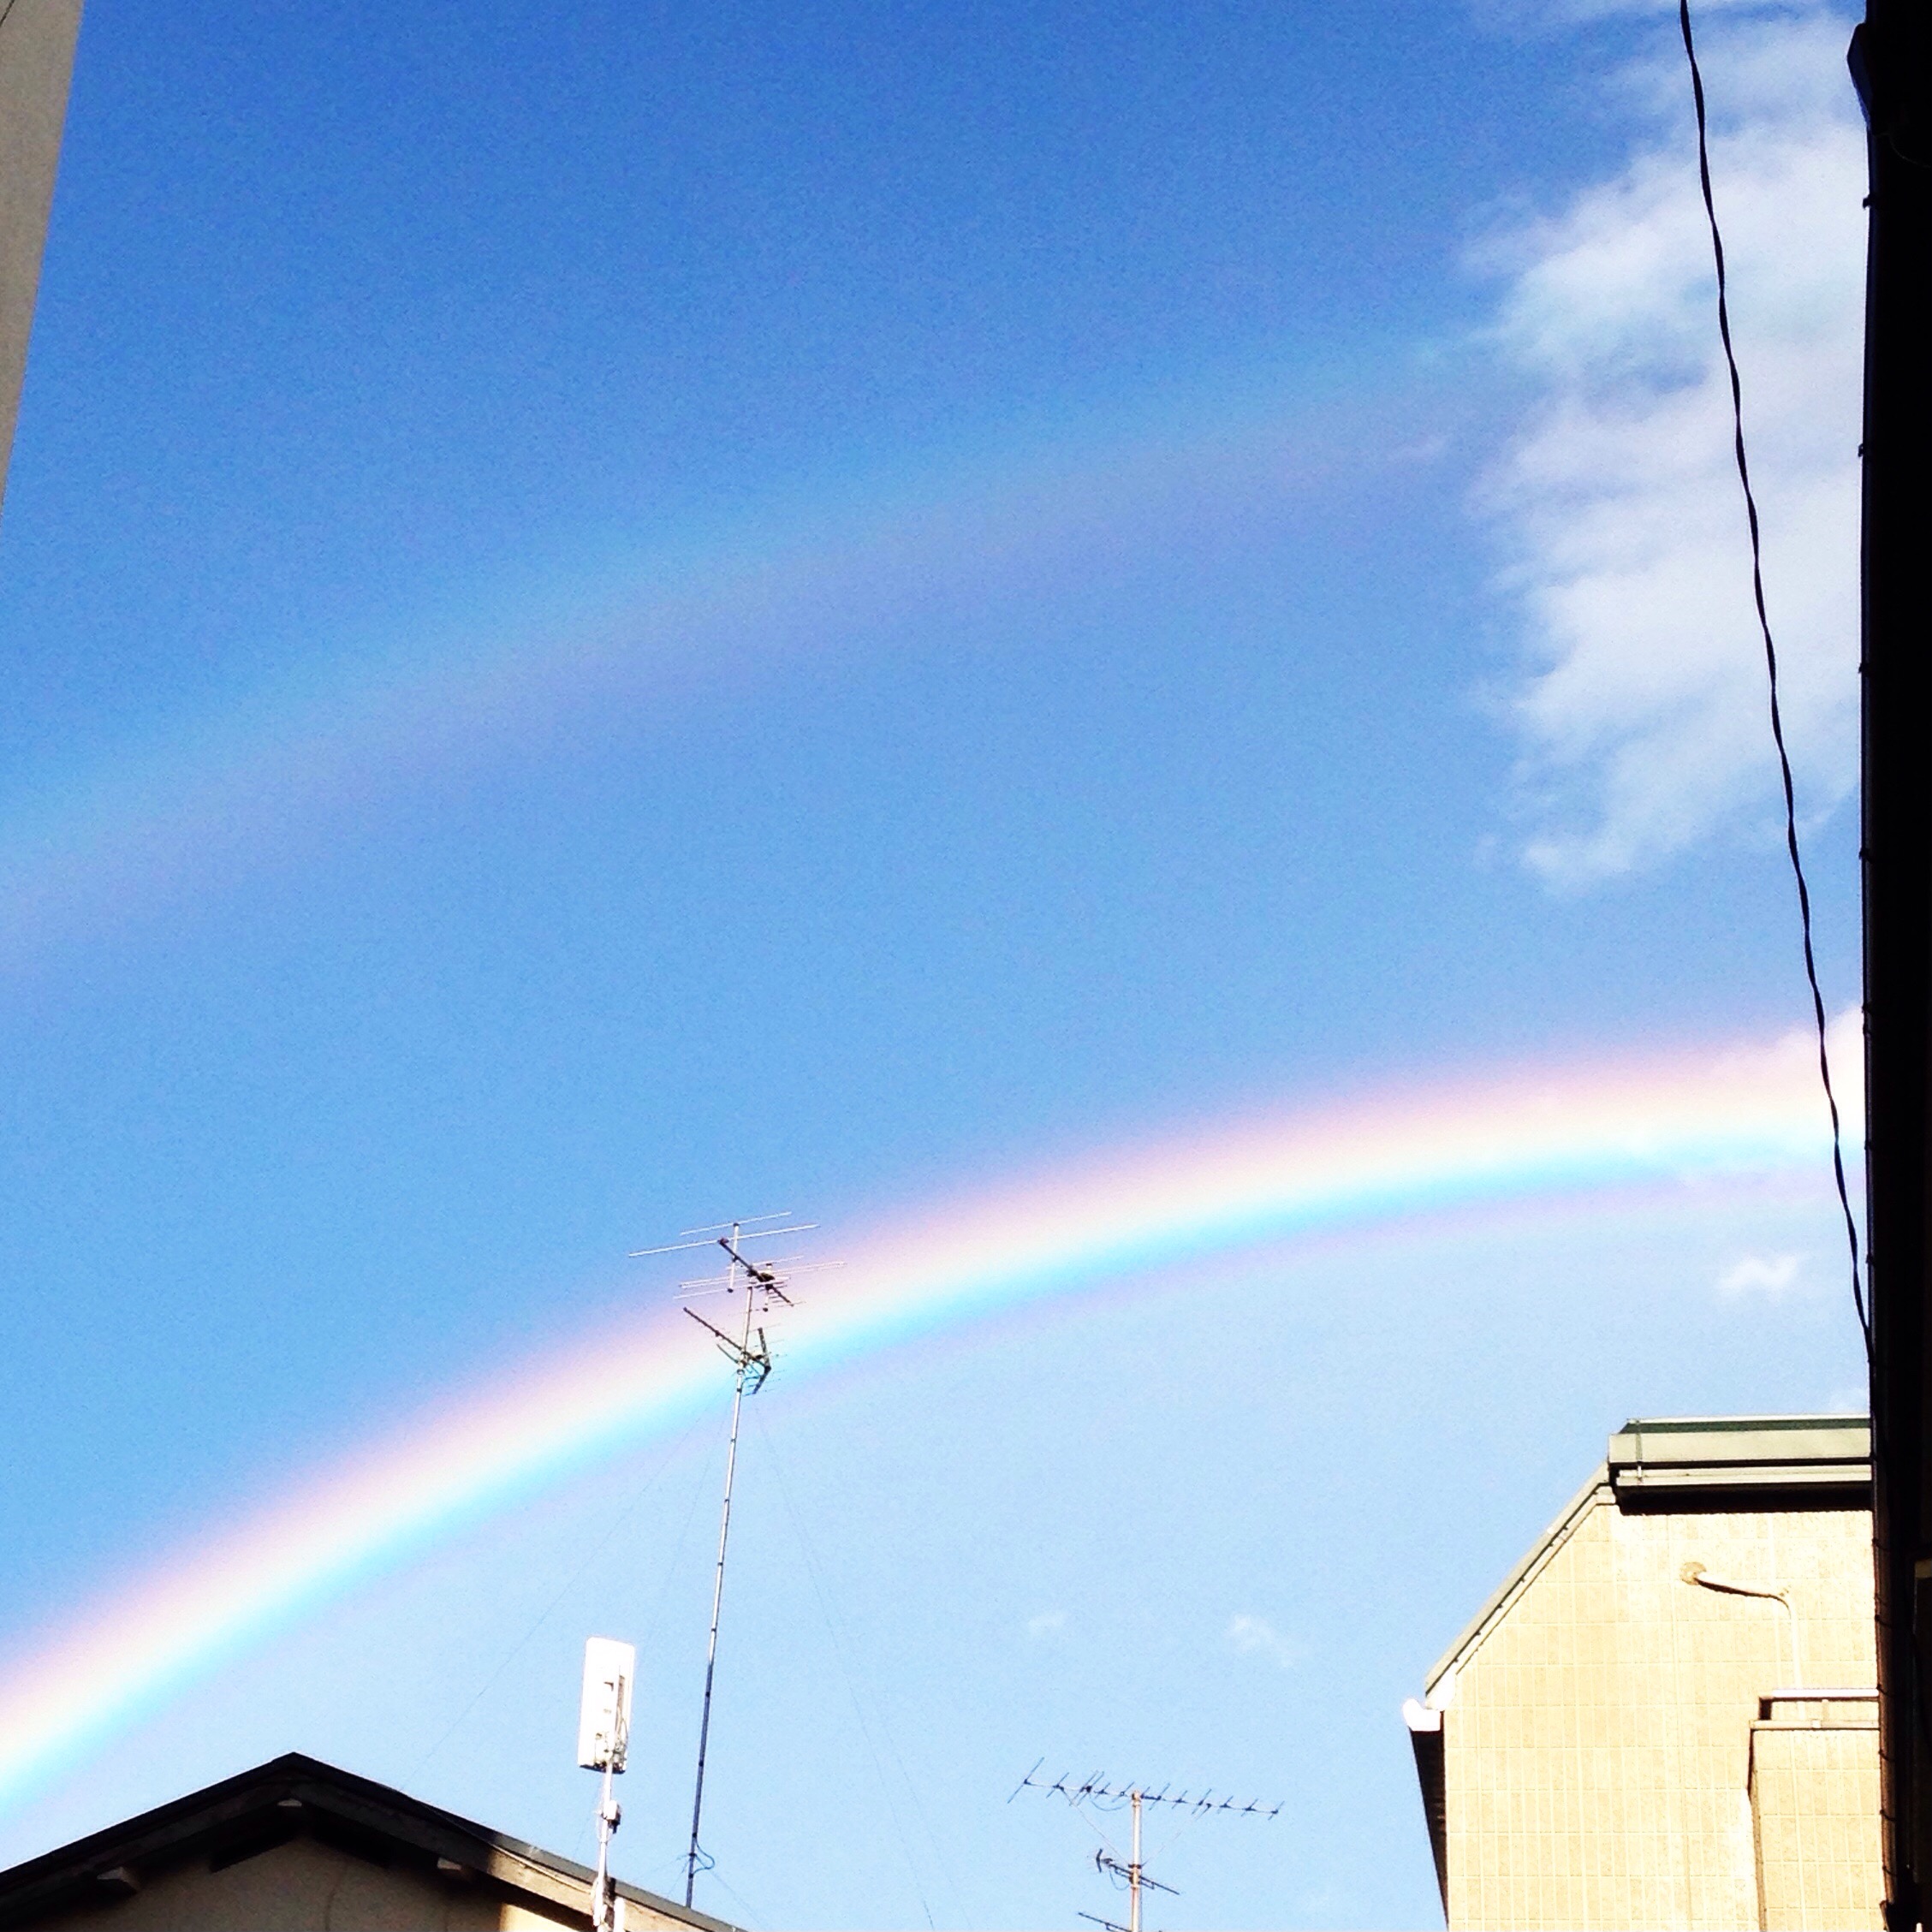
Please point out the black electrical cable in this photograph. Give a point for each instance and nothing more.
(1771, 671)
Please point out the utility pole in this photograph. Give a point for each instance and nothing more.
(1891, 63)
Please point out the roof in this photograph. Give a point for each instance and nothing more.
(1743, 1462)
(1694, 1465)
(1686, 1465)
(284, 1798)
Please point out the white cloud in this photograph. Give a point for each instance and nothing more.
(1771, 1275)
(1252, 1637)
(1046, 1624)
(1639, 700)
(1570, 13)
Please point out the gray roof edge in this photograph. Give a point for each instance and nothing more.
(379, 1808)
(1741, 1442)
(1666, 1425)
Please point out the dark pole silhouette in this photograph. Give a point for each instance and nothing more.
(1891, 63)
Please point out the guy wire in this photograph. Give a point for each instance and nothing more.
(576, 1576)
(839, 1651)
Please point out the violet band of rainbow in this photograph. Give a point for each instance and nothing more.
(1692, 1118)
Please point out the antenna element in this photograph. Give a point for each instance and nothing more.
(1095, 1793)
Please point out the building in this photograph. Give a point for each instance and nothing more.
(36, 60)
(1666, 1716)
(296, 1843)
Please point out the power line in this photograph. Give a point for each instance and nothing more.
(576, 1576)
(1771, 671)
(839, 1649)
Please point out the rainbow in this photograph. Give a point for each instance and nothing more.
(1690, 1119)
(853, 570)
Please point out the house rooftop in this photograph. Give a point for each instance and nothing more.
(1699, 1466)
(293, 1797)
(1742, 1462)
(1705, 1466)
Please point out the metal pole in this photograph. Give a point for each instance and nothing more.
(1133, 1867)
(717, 1580)
(1892, 62)
(603, 1915)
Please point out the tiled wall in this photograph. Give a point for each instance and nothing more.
(1598, 1745)
(1814, 1790)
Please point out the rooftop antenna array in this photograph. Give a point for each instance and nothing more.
(765, 1285)
(1095, 1793)
(603, 1741)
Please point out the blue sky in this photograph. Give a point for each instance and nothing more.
(610, 627)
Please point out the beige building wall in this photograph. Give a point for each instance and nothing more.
(1814, 1802)
(301, 1885)
(306, 1886)
(1618, 1743)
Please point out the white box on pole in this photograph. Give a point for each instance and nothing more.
(603, 1720)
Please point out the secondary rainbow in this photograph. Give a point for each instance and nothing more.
(1691, 1119)
(849, 570)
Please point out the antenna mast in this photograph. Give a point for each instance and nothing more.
(749, 1356)
(1135, 1875)
(1133, 1869)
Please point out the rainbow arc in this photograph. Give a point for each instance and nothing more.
(1688, 1119)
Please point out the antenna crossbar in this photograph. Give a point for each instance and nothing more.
(1098, 1792)
(1106, 1862)
(782, 1273)
(1098, 1788)
(737, 1232)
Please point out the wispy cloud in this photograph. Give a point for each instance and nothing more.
(1638, 703)
(1253, 1636)
(1048, 1623)
(1774, 1275)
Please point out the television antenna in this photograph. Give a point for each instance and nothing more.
(1095, 1793)
(603, 1741)
(765, 1285)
